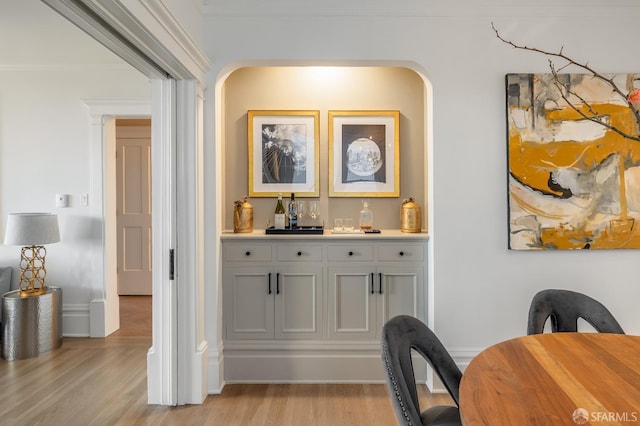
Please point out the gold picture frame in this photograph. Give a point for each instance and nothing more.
(364, 153)
(283, 152)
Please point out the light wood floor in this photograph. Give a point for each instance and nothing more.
(104, 382)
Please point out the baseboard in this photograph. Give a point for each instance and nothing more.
(198, 390)
(75, 320)
(97, 318)
(215, 382)
(154, 381)
(311, 362)
(462, 358)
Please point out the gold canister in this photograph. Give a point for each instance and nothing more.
(242, 216)
(410, 216)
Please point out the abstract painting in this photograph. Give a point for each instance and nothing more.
(574, 182)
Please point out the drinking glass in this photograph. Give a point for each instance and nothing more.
(314, 211)
(302, 211)
(337, 225)
(348, 224)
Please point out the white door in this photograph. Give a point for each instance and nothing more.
(133, 182)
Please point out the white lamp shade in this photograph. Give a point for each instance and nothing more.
(31, 229)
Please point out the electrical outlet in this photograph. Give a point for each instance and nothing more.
(62, 200)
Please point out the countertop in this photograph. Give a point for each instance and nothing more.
(384, 234)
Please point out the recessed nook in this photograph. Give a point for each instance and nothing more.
(325, 88)
(336, 336)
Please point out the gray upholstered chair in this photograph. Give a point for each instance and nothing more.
(564, 307)
(400, 335)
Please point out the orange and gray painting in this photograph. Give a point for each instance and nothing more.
(573, 183)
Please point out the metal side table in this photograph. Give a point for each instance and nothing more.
(32, 325)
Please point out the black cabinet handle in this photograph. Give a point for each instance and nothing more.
(278, 283)
(269, 283)
(350, 253)
(401, 253)
(372, 290)
(299, 253)
(247, 253)
(380, 283)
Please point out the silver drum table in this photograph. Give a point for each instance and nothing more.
(32, 325)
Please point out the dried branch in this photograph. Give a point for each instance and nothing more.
(565, 91)
(595, 117)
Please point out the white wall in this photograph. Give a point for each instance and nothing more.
(45, 148)
(482, 290)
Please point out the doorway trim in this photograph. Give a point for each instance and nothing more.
(149, 37)
(104, 307)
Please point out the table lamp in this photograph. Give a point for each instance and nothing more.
(32, 231)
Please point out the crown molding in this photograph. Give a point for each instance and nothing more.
(66, 67)
(419, 8)
(172, 27)
(143, 33)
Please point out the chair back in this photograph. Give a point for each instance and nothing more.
(564, 307)
(400, 335)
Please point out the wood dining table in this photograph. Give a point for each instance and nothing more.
(554, 379)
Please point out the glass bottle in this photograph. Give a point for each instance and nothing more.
(279, 214)
(366, 217)
(292, 212)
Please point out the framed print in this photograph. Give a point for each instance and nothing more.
(364, 153)
(283, 153)
(573, 165)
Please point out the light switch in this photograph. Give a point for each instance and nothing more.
(84, 199)
(62, 200)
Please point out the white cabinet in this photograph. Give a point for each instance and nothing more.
(273, 300)
(311, 308)
(368, 285)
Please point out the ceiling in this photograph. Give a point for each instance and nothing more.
(32, 35)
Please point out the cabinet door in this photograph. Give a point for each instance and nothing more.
(352, 303)
(298, 303)
(248, 302)
(401, 292)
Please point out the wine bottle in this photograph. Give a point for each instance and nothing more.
(279, 214)
(293, 212)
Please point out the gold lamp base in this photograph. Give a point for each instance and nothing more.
(32, 271)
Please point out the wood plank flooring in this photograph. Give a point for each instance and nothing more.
(135, 317)
(104, 382)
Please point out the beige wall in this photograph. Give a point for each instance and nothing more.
(325, 89)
